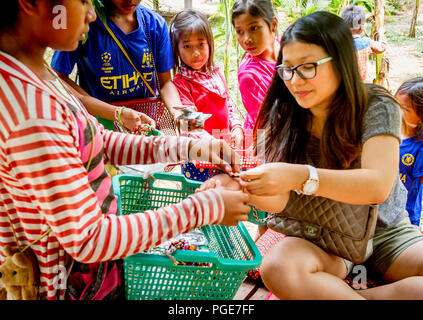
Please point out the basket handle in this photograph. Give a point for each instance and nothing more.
(196, 256)
(176, 177)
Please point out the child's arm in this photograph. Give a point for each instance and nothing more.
(237, 132)
(170, 93)
(131, 119)
(377, 46)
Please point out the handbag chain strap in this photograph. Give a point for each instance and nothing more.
(262, 220)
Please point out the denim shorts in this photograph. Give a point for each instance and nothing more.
(388, 244)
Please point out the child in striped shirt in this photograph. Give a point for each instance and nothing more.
(49, 200)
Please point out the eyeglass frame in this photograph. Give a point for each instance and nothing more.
(294, 69)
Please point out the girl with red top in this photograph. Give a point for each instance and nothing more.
(256, 27)
(199, 81)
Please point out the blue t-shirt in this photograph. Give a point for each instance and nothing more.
(104, 71)
(361, 43)
(411, 169)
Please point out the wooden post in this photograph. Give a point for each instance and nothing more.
(412, 33)
(382, 64)
(188, 4)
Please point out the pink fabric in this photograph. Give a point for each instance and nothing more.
(254, 77)
(209, 93)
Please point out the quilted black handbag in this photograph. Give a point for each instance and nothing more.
(345, 230)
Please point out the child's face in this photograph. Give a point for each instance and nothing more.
(63, 27)
(254, 34)
(194, 50)
(317, 93)
(125, 6)
(408, 114)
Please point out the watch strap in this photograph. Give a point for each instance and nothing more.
(312, 173)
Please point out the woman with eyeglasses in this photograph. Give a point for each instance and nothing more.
(330, 135)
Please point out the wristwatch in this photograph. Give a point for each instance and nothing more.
(311, 184)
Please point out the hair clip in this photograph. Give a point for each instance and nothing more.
(172, 26)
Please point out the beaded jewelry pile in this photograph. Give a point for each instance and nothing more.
(144, 130)
(194, 241)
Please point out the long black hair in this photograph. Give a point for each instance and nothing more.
(288, 125)
(9, 13)
(256, 8)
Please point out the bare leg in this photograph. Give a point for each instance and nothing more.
(405, 276)
(297, 269)
(261, 230)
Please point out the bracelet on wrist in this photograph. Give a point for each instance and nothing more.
(118, 114)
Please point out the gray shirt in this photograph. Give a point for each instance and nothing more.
(383, 116)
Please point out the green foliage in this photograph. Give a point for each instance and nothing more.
(228, 54)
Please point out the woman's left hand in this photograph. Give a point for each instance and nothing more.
(217, 152)
(272, 179)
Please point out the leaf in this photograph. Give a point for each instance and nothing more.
(99, 9)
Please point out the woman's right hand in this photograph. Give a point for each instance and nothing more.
(271, 179)
(133, 120)
(236, 206)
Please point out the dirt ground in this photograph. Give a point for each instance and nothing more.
(405, 55)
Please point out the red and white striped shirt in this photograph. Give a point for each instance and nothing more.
(44, 184)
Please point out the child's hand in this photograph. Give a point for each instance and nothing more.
(185, 124)
(236, 206)
(215, 151)
(133, 120)
(237, 137)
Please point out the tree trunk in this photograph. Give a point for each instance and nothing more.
(188, 4)
(412, 33)
(382, 64)
(228, 36)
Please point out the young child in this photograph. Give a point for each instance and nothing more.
(355, 18)
(256, 26)
(53, 198)
(410, 95)
(107, 76)
(199, 80)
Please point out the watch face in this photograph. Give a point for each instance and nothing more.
(310, 187)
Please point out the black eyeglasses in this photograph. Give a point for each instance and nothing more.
(305, 70)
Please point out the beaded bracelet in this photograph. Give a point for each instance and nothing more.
(118, 113)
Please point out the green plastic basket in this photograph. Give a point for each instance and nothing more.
(231, 253)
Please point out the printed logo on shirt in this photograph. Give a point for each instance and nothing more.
(124, 84)
(407, 159)
(107, 67)
(147, 59)
(403, 177)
